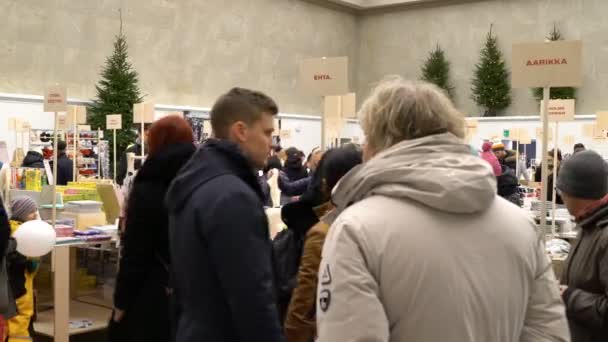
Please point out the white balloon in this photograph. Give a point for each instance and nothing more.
(35, 238)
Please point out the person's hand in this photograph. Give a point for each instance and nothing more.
(118, 315)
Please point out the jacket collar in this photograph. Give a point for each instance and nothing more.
(595, 215)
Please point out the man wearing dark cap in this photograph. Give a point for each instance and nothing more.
(583, 184)
(65, 166)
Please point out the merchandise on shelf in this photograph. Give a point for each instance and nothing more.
(24, 178)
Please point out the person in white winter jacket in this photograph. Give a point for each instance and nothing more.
(422, 249)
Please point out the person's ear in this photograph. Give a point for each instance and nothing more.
(238, 131)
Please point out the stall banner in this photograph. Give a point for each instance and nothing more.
(560, 110)
(548, 64)
(114, 121)
(55, 99)
(143, 112)
(324, 76)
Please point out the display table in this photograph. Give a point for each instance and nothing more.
(56, 323)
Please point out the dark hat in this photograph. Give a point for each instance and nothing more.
(584, 175)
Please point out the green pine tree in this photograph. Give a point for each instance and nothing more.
(491, 88)
(117, 91)
(436, 70)
(558, 93)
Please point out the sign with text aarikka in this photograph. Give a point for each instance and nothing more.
(549, 64)
(324, 76)
(114, 121)
(560, 110)
(55, 99)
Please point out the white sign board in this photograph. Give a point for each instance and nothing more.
(55, 99)
(84, 127)
(63, 122)
(560, 110)
(324, 76)
(601, 120)
(114, 121)
(143, 111)
(550, 64)
(77, 114)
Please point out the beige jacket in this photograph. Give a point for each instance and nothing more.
(423, 250)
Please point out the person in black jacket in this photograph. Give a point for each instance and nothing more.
(135, 148)
(65, 166)
(5, 230)
(220, 240)
(142, 286)
(33, 159)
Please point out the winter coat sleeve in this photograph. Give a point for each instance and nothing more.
(590, 309)
(348, 297)
(295, 188)
(5, 230)
(144, 212)
(545, 319)
(300, 319)
(240, 248)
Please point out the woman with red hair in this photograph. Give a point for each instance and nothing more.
(141, 297)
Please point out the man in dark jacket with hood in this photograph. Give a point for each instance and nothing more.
(583, 182)
(220, 241)
(65, 166)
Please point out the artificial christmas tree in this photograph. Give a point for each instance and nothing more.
(557, 93)
(491, 88)
(117, 91)
(436, 70)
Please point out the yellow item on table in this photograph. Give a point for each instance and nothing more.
(33, 179)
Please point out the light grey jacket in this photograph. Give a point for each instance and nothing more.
(423, 250)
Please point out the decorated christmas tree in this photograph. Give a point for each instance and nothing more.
(491, 88)
(558, 93)
(436, 70)
(117, 91)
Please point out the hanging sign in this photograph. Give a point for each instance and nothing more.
(55, 99)
(143, 111)
(524, 138)
(548, 64)
(84, 127)
(569, 140)
(324, 76)
(26, 126)
(114, 121)
(539, 134)
(560, 110)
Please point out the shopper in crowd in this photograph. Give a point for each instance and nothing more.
(134, 148)
(65, 166)
(505, 157)
(583, 182)
(300, 323)
(141, 298)
(220, 241)
(490, 157)
(33, 159)
(6, 311)
(423, 249)
(313, 159)
(508, 186)
(5, 230)
(539, 174)
(21, 273)
(294, 178)
(579, 148)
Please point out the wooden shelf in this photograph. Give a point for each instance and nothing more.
(97, 314)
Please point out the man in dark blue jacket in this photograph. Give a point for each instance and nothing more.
(220, 242)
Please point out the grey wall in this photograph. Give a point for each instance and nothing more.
(187, 52)
(398, 43)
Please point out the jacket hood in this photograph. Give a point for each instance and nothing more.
(33, 157)
(164, 165)
(438, 171)
(213, 159)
